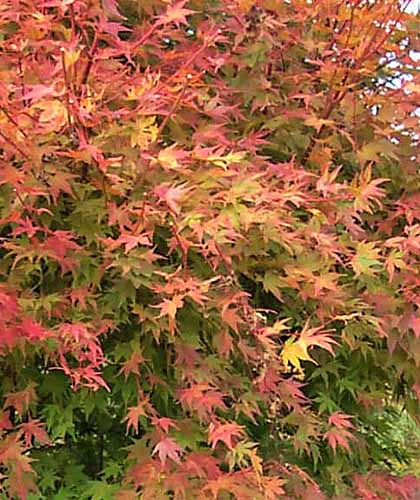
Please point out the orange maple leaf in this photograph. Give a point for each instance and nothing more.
(224, 433)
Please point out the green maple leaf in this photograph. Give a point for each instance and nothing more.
(99, 490)
(272, 282)
(367, 259)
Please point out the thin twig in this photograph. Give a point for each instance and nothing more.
(91, 54)
(12, 120)
(171, 112)
(14, 145)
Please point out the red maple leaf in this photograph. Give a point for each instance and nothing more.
(38, 91)
(171, 195)
(202, 398)
(414, 324)
(8, 303)
(58, 245)
(132, 365)
(33, 429)
(19, 465)
(186, 355)
(164, 423)
(273, 487)
(203, 465)
(168, 448)
(129, 241)
(224, 433)
(340, 420)
(339, 435)
(33, 331)
(5, 423)
(175, 14)
(78, 297)
(25, 227)
(135, 412)
(21, 400)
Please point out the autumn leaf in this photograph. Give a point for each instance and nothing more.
(168, 448)
(223, 342)
(273, 282)
(168, 157)
(34, 331)
(202, 398)
(317, 337)
(296, 350)
(169, 307)
(340, 420)
(53, 115)
(339, 434)
(415, 324)
(21, 400)
(293, 352)
(395, 260)
(318, 123)
(33, 429)
(224, 433)
(164, 423)
(242, 453)
(132, 365)
(366, 191)
(72, 56)
(171, 195)
(131, 241)
(273, 487)
(5, 423)
(175, 14)
(21, 472)
(38, 91)
(366, 259)
(133, 415)
(126, 495)
(144, 132)
(111, 9)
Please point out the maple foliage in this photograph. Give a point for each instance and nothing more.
(209, 249)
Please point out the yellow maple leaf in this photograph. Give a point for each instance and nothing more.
(144, 132)
(53, 114)
(167, 157)
(295, 351)
(71, 57)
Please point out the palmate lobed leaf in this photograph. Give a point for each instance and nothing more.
(295, 350)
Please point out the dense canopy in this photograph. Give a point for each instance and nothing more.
(209, 249)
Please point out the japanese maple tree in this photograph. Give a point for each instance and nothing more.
(209, 242)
